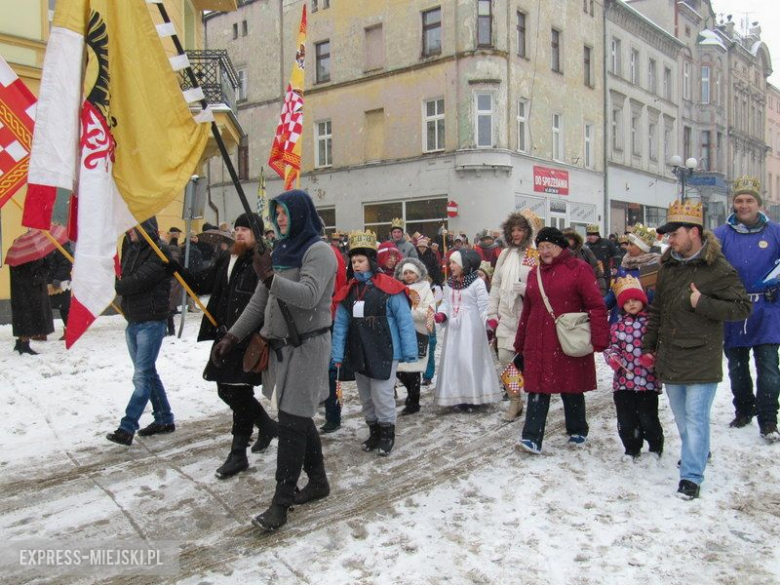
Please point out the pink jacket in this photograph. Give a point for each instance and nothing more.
(625, 345)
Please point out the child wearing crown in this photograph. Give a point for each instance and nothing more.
(635, 387)
(373, 333)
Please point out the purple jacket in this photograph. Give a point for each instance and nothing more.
(753, 254)
(625, 345)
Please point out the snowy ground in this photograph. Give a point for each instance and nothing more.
(455, 503)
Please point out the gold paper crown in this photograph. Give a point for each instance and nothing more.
(593, 228)
(360, 239)
(535, 221)
(625, 283)
(623, 239)
(747, 186)
(396, 222)
(643, 234)
(686, 212)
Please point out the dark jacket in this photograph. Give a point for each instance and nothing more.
(570, 288)
(30, 308)
(584, 254)
(59, 266)
(608, 254)
(229, 298)
(145, 285)
(689, 342)
(431, 261)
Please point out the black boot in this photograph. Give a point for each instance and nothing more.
(373, 437)
(24, 347)
(412, 402)
(120, 437)
(236, 461)
(273, 518)
(314, 466)
(171, 326)
(386, 439)
(265, 434)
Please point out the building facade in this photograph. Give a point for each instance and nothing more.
(771, 183)
(643, 125)
(494, 105)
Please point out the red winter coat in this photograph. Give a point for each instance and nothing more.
(571, 288)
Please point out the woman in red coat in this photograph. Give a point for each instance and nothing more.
(571, 288)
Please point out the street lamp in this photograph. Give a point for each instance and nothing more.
(683, 172)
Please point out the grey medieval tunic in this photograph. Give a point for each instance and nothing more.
(301, 376)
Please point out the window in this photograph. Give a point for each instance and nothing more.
(617, 128)
(667, 142)
(433, 125)
(521, 34)
(615, 62)
(244, 28)
(652, 129)
(316, 4)
(557, 137)
(242, 85)
(705, 84)
(323, 154)
(421, 215)
(235, 30)
(328, 215)
(484, 120)
(667, 83)
(705, 160)
(243, 159)
(687, 153)
(686, 81)
(484, 23)
(375, 48)
(636, 149)
(431, 21)
(522, 125)
(634, 66)
(652, 82)
(555, 51)
(587, 68)
(322, 58)
(587, 151)
(655, 215)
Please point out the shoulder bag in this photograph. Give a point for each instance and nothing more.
(573, 329)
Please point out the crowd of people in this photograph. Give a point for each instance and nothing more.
(520, 316)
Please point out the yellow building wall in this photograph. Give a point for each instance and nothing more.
(23, 45)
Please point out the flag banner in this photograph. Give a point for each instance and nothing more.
(117, 133)
(17, 116)
(285, 156)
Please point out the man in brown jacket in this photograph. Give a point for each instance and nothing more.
(697, 290)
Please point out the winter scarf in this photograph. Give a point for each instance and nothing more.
(635, 262)
(303, 228)
(470, 262)
(742, 228)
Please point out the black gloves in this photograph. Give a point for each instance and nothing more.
(518, 361)
(264, 267)
(172, 266)
(222, 348)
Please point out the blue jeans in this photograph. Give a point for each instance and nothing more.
(143, 342)
(691, 405)
(765, 401)
(430, 370)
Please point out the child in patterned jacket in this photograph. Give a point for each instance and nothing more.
(636, 388)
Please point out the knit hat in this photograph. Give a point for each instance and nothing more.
(627, 288)
(552, 235)
(243, 221)
(385, 250)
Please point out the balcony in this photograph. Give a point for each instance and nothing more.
(219, 80)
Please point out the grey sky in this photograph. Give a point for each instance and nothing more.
(761, 11)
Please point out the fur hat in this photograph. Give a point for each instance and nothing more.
(411, 264)
(521, 220)
(552, 235)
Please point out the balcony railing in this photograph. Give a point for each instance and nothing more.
(216, 75)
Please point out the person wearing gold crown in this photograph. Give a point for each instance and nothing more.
(373, 333)
(751, 242)
(635, 389)
(639, 261)
(697, 290)
(398, 237)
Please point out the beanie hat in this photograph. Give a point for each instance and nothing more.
(457, 258)
(410, 266)
(385, 250)
(628, 288)
(243, 221)
(552, 235)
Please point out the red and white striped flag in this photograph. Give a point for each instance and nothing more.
(17, 116)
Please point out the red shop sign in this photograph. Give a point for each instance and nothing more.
(551, 181)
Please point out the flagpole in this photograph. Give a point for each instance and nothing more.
(61, 249)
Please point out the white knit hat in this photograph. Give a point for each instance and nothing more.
(410, 266)
(457, 258)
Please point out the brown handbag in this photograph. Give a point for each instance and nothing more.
(256, 355)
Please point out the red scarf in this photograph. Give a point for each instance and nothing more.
(383, 282)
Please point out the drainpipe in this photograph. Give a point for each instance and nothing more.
(607, 6)
(213, 207)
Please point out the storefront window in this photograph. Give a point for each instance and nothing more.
(426, 216)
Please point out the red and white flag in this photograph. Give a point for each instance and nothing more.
(17, 116)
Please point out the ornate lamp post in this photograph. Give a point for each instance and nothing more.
(683, 172)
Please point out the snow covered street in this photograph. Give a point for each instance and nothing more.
(454, 503)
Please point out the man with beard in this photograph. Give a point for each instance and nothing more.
(231, 280)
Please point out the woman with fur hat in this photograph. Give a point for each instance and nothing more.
(508, 291)
(373, 333)
(413, 274)
(570, 288)
(466, 374)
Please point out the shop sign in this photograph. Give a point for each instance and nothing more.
(551, 181)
